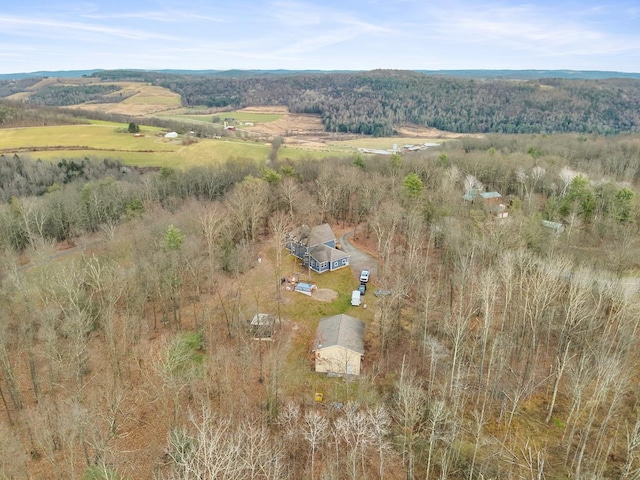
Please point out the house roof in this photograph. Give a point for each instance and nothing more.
(487, 195)
(557, 226)
(470, 195)
(311, 237)
(342, 330)
(263, 319)
(324, 253)
(321, 234)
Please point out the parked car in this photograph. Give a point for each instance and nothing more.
(362, 288)
(381, 292)
(364, 276)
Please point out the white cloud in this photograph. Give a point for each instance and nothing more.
(43, 27)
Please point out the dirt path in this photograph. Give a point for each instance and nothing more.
(359, 260)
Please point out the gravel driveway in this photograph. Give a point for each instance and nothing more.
(359, 260)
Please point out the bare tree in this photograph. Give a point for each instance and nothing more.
(409, 413)
(315, 430)
(437, 416)
(354, 429)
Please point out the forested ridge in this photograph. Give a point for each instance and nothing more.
(505, 349)
(377, 102)
(65, 95)
(373, 103)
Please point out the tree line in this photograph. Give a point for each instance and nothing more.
(65, 95)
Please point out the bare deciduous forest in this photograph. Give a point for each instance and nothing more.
(507, 347)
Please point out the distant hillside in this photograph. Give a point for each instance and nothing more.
(377, 102)
(512, 74)
(374, 103)
(531, 74)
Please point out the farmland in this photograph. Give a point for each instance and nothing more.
(238, 116)
(109, 140)
(303, 134)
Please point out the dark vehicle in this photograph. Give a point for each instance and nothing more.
(362, 288)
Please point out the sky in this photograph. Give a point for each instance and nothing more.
(37, 35)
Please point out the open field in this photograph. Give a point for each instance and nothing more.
(238, 116)
(102, 135)
(383, 142)
(139, 99)
(109, 140)
(105, 140)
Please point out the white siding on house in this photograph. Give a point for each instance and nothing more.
(338, 360)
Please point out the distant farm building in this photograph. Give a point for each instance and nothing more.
(316, 247)
(492, 201)
(339, 345)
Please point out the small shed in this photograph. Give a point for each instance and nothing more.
(339, 345)
(262, 326)
(306, 288)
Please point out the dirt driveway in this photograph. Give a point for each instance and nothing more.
(359, 260)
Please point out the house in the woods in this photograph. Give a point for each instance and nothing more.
(339, 345)
(557, 227)
(262, 326)
(492, 201)
(316, 247)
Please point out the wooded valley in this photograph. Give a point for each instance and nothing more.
(505, 345)
(507, 349)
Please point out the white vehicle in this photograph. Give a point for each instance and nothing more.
(364, 276)
(355, 298)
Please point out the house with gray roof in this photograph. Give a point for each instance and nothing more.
(316, 247)
(492, 201)
(339, 345)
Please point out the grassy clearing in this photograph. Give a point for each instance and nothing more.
(99, 139)
(255, 118)
(251, 116)
(384, 142)
(152, 95)
(306, 312)
(298, 153)
(96, 135)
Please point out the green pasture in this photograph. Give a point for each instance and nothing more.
(97, 135)
(99, 139)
